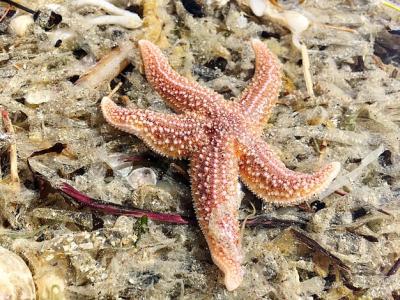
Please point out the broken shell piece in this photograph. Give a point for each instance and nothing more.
(20, 25)
(107, 68)
(39, 96)
(296, 23)
(142, 176)
(50, 285)
(66, 36)
(258, 7)
(120, 16)
(15, 277)
(119, 164)
(292, 20)
(217, 3)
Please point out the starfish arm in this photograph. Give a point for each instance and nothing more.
(175, 136)
(180, 93)
(268, 177)
(262, 93)
(215, 190)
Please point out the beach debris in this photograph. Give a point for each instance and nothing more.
(122, 166)
(293, 20)
(393, 270)
(118, 15)
(268, 222)
(107, 68)
(16, 280)
(194, 8)
(387, 46)
(21, 24)
(116, 209)
(350, 177)
(142, 176)
(19, 6)
(39, 96)
(50, 284)
(314, 245)
(391, 5)
(12, 148)
(154, 23)
(47, 19)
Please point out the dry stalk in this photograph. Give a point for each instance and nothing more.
(9, 129)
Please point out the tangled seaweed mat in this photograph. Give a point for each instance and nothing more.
(83, 254)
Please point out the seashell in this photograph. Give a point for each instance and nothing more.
(258, 7)
(20, 25)
(50, 285)
(39, 96)
(142, 176)
(16, 280)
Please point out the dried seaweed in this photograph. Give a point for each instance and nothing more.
(317, 247)
(394, 268)
(120, 210)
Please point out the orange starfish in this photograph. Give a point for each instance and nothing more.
(222, 139)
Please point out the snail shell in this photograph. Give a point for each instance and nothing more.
(16, 280)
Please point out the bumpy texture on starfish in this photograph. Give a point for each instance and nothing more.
(222, 139)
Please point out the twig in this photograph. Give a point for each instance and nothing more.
(312, 244)
(394, 268)
(116, 209)
(12, 148)
(5, 13)
(341, 28)
(107, 68)
(391, 5)
(345, 179)
(17, 5)
(306, 70)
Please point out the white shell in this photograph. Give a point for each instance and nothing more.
(16, 280)
(296, 22)
(142, 176)
(19, 25)
(39, 96)
(258, 7)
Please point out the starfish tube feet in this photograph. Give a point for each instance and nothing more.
(268, 177)
(172, 135)
(262, 93)
(180, 93)
(214, 174)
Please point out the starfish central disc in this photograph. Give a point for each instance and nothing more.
(223, 141)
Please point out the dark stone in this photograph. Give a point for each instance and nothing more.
(79, 53)
(387, 46)
(47, 19)
(217, 63)
(73, 78)
(317, 205)
(358, 213)
(137, 9)
(267, 35)
(195, 9)
(385, 159)
(58, 43)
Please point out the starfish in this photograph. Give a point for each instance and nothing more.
(223, 141)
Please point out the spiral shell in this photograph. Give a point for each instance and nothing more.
(16, 280)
